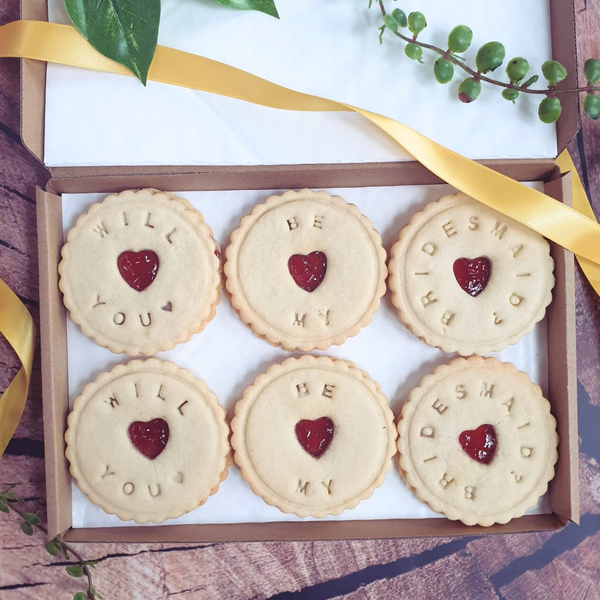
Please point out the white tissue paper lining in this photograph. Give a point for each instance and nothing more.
(325, 48)
(228, 356)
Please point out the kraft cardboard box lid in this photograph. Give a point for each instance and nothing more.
(103, 120)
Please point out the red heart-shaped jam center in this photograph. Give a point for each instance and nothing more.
(149, 437)
(474, 274)
(480, 443)
(315, 436)
(308, 270)
(138, 269)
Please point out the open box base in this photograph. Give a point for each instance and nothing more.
(563, 493)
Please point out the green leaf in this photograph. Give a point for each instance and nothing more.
(124, 30)
(533, 79)
(400, 17)
(390, 23)
(264, 6)
(3, 507)
(591, 70)
(469, 90)
(75, 571)
(417, 22)
(549, 110)
(510, 94)
(554, 72)
(80, 596)
(443, 70)
(31, 518)
(490, 56)
(591, 106)
(26, 528)
(460, 38)
(52, 548)
(517, 69)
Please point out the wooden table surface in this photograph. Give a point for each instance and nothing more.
(565, 564)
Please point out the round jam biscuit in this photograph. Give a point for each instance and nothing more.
(477, 441)
(148, 441)
(305, 270)
(466, 279)
(313, 436)
(140, 272)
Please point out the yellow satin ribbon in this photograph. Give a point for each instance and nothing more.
(581, 204)
(17, 327)
(575, 229)
(571, 229)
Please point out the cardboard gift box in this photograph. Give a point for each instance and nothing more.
(562, 377)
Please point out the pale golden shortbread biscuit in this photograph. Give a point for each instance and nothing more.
(314, 436)
(305, 270)
(466, 279)
(140, 272)
(477, 441)
(148, 441)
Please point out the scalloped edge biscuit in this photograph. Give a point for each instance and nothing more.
(243, 308)
(133, 349)
(242, 407)
(412, 478)
(396, 265)
(171, 369)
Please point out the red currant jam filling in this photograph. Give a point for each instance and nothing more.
(308, 270)
(149, 438)
(138, 269)
(479, 444)
(473, 275)
(315, 436)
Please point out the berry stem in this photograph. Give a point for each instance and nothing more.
(479, 76)
(12, 503)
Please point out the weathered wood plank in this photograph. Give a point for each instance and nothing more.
(480, 568)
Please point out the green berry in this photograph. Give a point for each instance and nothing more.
(549, 110)
(80, 596)
(414, 51)
(469, 90)
(517, 69)
(553, 71)
(390, 23)
(416, 22)
(490, 57)
(591, 70)
(591, 106)
(443, 70)
(510, 94)
(400, 17)
(460, 38)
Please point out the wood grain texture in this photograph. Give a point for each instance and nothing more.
(560, 565)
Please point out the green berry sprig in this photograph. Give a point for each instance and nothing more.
(489, 57)
(55, 547)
